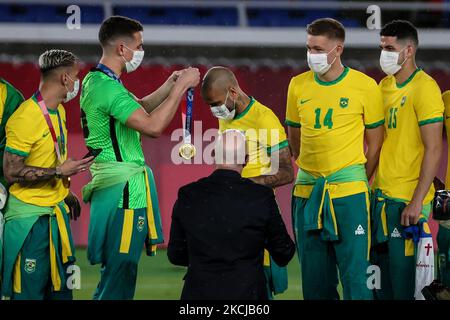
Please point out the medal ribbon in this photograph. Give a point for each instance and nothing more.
(186, 116)
(44, 110)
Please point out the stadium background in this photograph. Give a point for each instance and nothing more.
(261, 41)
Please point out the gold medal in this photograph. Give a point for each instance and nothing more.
(66, 182)
(187, 151)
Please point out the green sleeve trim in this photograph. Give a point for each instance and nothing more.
(375, 124)
(292, 123)
(281, 145)
(433, 120)
(17, 152)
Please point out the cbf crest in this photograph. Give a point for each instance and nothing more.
(30, 265)
(343, 103)
(141, 223)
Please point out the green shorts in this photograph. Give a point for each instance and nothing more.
(321, 260)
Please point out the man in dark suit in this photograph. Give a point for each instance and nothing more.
(220, 227)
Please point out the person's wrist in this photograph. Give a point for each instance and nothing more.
(180, 87)
(58, 172)
(416, 204)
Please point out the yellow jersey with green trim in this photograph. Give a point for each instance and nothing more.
(264, 134)
(446, 99)
(332, 117)
(10, 99)
(407, 107)
(28, 135)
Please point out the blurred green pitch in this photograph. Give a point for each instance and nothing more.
(158, 279)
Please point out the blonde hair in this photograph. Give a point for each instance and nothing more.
(55, 58)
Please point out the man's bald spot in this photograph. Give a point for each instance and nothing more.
(218, 78)
(230, 148)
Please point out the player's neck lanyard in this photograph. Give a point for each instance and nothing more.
(44, 110)
(108, 72)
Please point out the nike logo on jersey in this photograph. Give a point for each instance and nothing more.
(304, 101)
(45, 134)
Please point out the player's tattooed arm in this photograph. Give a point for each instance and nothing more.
(16, 171)
(281, 170)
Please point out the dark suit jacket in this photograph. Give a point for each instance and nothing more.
(220, 227)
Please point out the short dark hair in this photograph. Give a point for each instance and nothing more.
(402, 29)
(118, 26)
(328, 27)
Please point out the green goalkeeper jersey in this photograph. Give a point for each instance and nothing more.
(105, 107)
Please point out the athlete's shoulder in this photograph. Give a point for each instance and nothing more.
(361, 78)
(386, 81)
(446, 97)
(265, 113)
(425, 84)
(8, 88)
(260, 108)
(96, 79)
(423, 77)
(303, 77)
(27, 110)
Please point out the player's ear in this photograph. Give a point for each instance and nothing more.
(339, 49)
(119, 48)
(233, 93)
(63, 78)
(409, 51)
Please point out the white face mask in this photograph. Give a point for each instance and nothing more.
(389, 61)
(72, 94)
(318, 62)
(136, 60)
(222, 112)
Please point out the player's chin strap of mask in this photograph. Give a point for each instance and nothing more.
(319, 210)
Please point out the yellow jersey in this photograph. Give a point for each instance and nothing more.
(407, 106)
(264, 134)
(332, 117)
(10, 99)
(446, 99)
(28, 135)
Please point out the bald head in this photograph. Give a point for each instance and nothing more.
(230, 149)
(218, 78)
